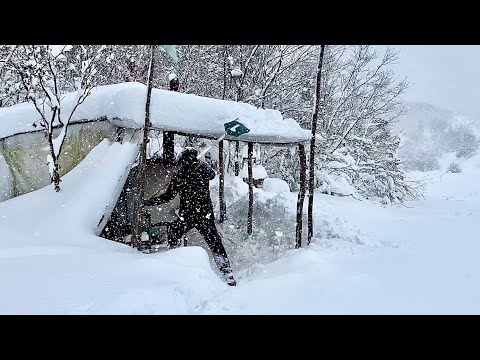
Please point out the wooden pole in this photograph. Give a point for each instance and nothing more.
(221, 185)
(168, 155)
(311, 183)
(301, 195)
(250, 190)
(237, 158)
(140, 181)
(168, 147)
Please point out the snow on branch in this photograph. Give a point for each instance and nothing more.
(46, 73)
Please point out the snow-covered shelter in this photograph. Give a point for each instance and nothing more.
(117, 112)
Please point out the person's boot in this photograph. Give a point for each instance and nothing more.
(228, 275)
(231, 281)
(224, 266)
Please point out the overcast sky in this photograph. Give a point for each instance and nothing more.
(444, 75)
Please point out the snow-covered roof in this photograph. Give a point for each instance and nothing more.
(124, 105)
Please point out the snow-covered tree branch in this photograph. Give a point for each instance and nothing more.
(46, 73)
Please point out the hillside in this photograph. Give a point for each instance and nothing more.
(428, 132)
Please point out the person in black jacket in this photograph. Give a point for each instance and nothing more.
(191, 182)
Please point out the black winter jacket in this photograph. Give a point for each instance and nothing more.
(191, 182)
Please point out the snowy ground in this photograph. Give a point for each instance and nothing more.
(368, 259)
(422, 260)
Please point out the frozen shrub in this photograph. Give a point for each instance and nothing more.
(454, 168)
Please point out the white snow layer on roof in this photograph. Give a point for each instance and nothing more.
(124, 105)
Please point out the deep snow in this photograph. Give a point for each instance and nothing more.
(52, 262)
(366, 259)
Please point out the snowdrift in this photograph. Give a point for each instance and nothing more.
(89, 193)
(54, 262)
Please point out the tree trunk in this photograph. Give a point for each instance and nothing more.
(311, 183)
(250, 189)
(301, 195)
(225, 56)
(140, 181)
(221, 185)
(55, 176)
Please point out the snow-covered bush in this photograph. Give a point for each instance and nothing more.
(463, 141)
(430, 132)
(360, 171)
(454, 167)
(420, 160)
(275, 185)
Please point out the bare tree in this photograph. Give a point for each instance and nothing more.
(46, 75)
(316, 110)
(10, 90)
(364, 92)
(361, 97)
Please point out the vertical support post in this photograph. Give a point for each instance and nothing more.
(137, 225)
(168, 136)
(237, 158)
(168, 147)
(301, 195)
(221, 182)
(250, 189)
